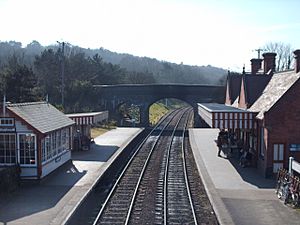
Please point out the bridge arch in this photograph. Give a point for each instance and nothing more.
(169, 103)
(144, 95)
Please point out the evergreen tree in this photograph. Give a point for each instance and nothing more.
(19, 83)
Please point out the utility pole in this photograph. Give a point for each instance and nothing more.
(62, 73)
(259, 50)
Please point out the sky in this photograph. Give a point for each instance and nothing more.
(221, 33)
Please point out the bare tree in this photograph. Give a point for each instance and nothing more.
(284, 53)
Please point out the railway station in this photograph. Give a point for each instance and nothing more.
(178, 112)
(235, 194)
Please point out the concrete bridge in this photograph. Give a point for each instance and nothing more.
(111, 97)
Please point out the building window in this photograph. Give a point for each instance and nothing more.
(54, 144)
(278, 152)
(27, 149)
(43, 150)
(54, 150)
(7, 122)
(58, 138)
(65, 139)
(46, 148)
(278, 157)
(67, 145)
(7, 148)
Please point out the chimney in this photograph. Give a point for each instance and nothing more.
(269, 62)
(255, 65)
(297, 60)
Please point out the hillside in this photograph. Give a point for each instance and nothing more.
(163, 72)
(158, 71)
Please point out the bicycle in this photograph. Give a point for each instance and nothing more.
(294, 192)
(283, 192)
(280, 177)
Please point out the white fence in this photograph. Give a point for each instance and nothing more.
(293, 166)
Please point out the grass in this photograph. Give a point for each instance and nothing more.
(97, 131)
(156, 111)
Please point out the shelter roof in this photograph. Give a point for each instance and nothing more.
(40, 115)
(85, 114)
(215, 107)
(90, 118)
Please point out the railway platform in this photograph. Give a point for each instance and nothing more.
(238, 195)
(53, 200)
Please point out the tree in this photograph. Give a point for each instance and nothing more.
(139, 78)
(284, 55)
(47, 68)
(18, 82)
(34, 48)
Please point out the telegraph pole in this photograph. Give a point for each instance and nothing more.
(259, 50)
(62, 73)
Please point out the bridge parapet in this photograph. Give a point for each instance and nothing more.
(144, 95)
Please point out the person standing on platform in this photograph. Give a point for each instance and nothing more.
(219, 144)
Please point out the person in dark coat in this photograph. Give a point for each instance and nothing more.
(219, 144)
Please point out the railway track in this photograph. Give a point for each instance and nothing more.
(116, 209)
(177, 195)
(150, 202)
(154, 187)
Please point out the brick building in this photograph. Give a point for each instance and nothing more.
(271, 101)
(243, 90)
(278, 120)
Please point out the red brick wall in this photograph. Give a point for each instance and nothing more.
(283, 124)
(262, 160)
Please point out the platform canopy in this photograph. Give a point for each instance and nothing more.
(91, 118)
(226, 117)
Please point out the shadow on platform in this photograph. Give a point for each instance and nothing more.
(34, 197)
(251, 174)
(100, 153)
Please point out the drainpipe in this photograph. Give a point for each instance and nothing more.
(4, 105)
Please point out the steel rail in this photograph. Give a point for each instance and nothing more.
(185, 173)
(144, 168)
(172, 114)
(166, 169)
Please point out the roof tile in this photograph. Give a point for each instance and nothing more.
(279, 84)
(41, 115)
(254, 86)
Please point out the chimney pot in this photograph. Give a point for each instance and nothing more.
(255, 65)
(297, 60)
(269, 61)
